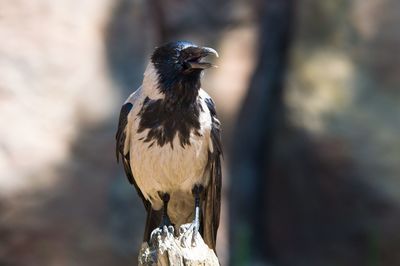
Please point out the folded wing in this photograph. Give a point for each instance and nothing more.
(212, 203)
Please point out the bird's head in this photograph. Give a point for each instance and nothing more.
(179, 66)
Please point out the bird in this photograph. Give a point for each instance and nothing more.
(169, 142)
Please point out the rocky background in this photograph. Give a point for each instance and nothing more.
(333, 177)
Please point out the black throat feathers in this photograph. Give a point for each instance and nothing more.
(177, 115)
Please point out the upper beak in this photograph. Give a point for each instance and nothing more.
(199, 53)
(207, 51)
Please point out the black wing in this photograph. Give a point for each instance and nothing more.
(212, 204)
(121, 138)
(153, 217)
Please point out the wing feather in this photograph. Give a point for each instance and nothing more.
(212, 206)
(121, 139)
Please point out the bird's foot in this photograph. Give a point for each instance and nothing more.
(190, 233)
(162, 232)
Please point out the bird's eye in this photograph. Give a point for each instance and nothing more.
(185, 65)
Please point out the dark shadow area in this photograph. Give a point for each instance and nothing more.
(320, 210)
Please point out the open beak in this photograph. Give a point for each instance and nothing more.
(195, 61)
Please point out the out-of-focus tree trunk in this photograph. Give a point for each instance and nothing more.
(254, 134)
(158, 17)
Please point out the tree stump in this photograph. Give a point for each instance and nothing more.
(168, 249)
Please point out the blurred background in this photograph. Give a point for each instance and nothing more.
(308, 94)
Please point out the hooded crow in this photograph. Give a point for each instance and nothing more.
(169, 142)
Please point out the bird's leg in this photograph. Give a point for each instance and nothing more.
(196, 192)
(194, 228)
(165, 221)
(165, 226)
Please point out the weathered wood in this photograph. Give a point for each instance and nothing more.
(167, 248)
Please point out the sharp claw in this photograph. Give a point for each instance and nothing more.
(195, 232)
(155, 234)
(163, 231)
(171, 229)
(190, 232)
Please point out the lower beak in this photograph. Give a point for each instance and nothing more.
(204, 51)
